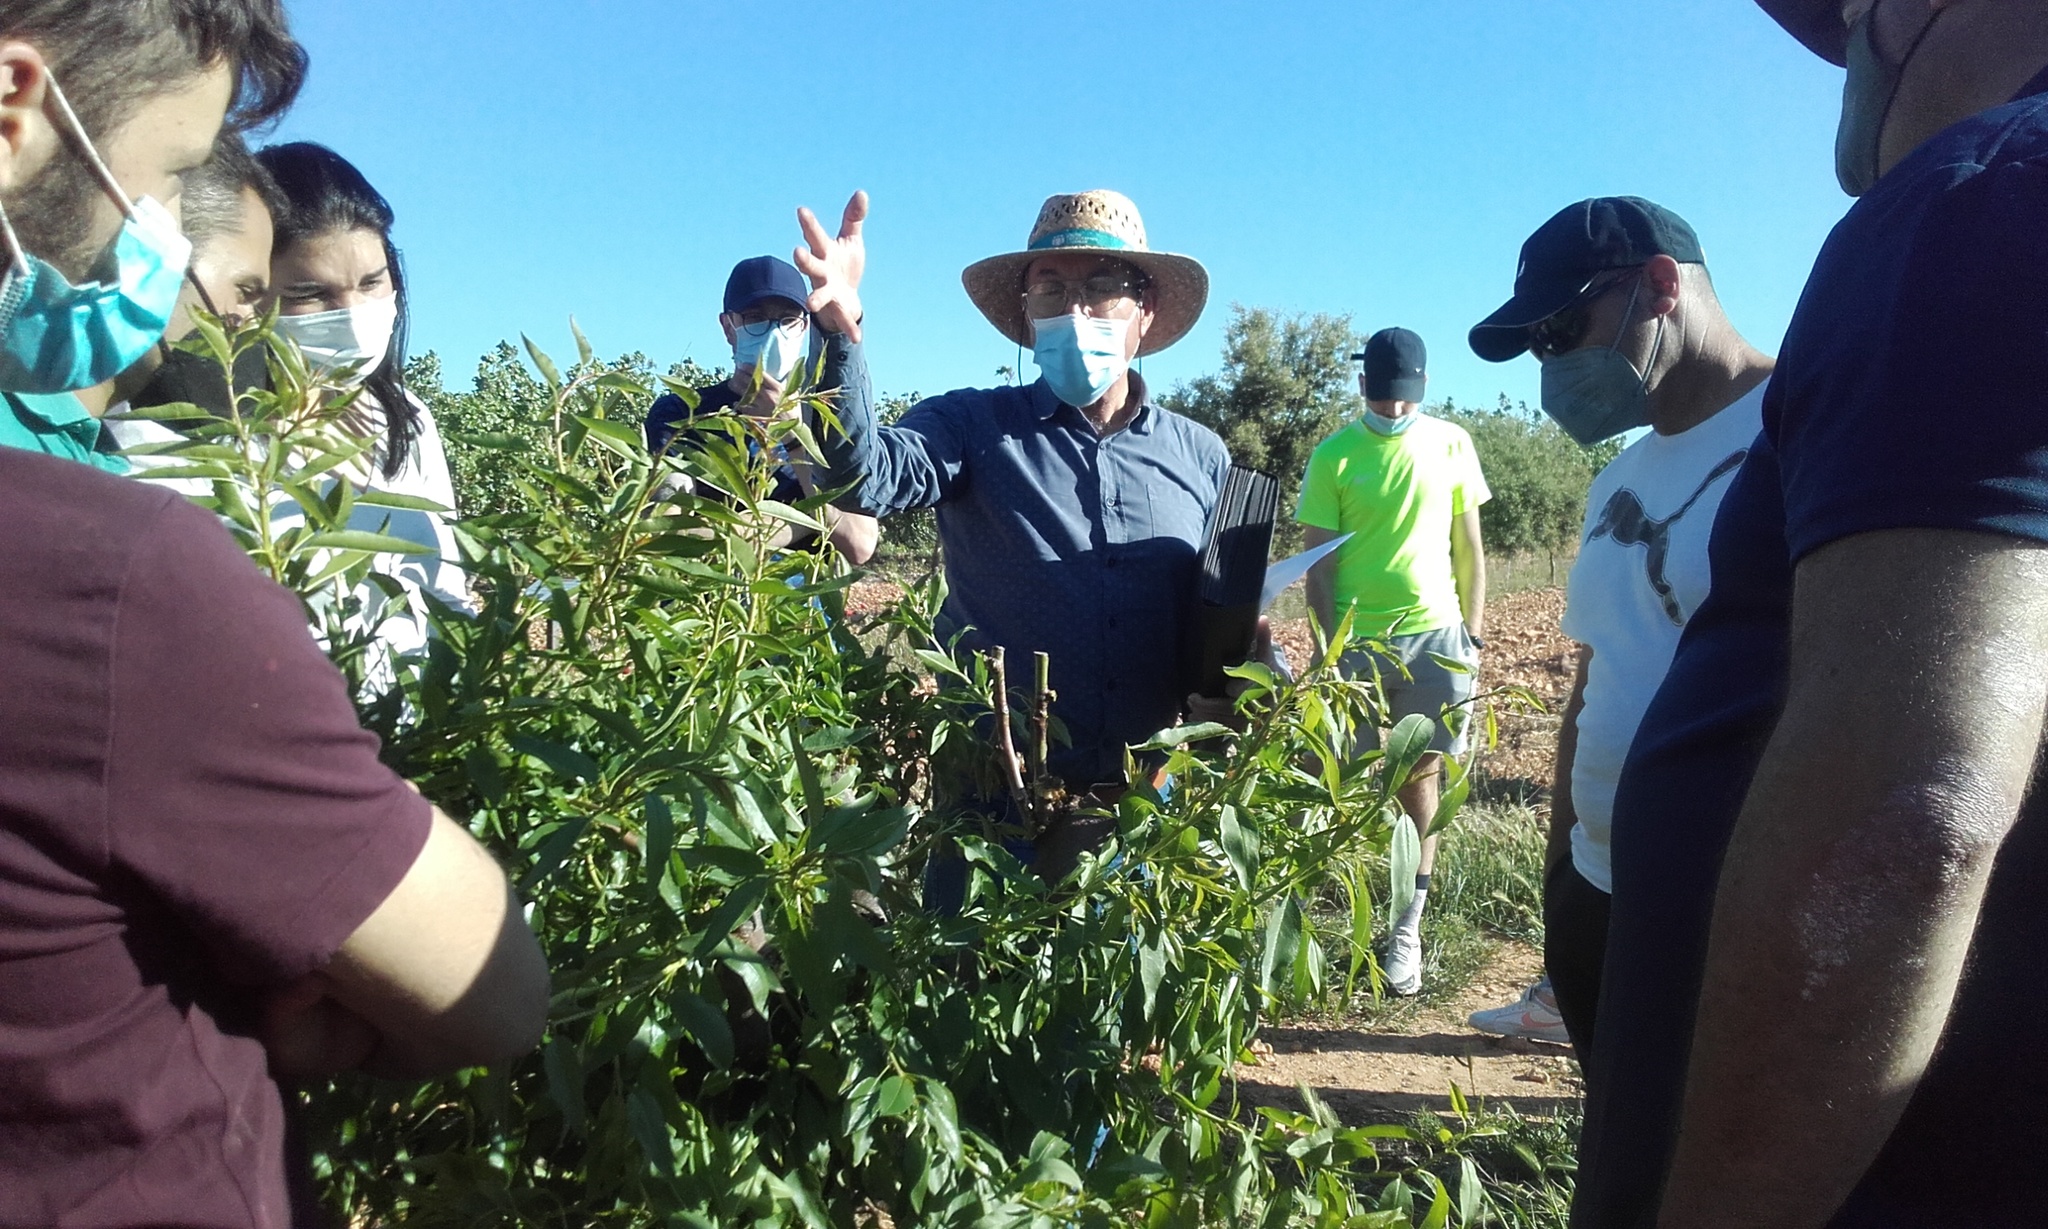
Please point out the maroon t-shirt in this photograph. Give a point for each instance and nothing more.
(190, 815)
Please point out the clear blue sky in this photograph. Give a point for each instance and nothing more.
(611, 159)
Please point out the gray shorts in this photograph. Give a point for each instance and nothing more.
(1415, 682)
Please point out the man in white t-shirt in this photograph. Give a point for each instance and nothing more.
(1613, 298)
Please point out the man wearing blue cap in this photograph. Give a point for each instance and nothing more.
(1823, 1001)
(768, 325)
(1612, 297)
(1406, 487)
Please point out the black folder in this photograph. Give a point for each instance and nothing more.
(1225, 618)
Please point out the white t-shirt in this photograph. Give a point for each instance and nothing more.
(1641, 573)
(401, 625)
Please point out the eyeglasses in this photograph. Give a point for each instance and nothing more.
(753, 324)
(1097, 295)
(1565, 330)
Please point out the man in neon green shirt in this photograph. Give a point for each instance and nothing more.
(1407, 488)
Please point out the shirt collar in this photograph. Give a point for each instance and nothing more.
(1044, 404)
(58, 412)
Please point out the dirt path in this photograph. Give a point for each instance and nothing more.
(1407, 1064)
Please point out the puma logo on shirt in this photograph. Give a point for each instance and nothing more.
(1625, 520)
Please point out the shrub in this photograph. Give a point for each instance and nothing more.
(1538, 474)
(718, 803)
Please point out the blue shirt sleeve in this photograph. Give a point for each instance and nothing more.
(914, 463)
(664, 418)
(1938, 416)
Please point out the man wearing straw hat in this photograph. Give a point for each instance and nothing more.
(1072, 510)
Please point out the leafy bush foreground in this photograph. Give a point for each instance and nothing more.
(720, 802)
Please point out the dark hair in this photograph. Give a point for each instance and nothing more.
(324, 193)
(213, 192)
(110, 55)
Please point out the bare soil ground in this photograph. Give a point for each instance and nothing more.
(1407, 1063)
(1406, 1059)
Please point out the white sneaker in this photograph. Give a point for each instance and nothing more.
(1533, 1016)
(1403, 967)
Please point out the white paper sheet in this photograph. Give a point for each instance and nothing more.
(1287, 571)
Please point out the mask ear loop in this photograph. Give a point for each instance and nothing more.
(85, 147)
(17, 256)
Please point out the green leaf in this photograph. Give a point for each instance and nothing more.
(554, 851)
(706, 1026)
(650, 1130)
(1240, 845)
(363, 540)
(1471, 1195)
(1152, 970)
(1283, 939)
(894, 1097)
(565, 760)
(1406, 747)
(548, 371)
(617, 437)
(1404, 858)
(1166, 740)
(657, 834)
(392, 499)
(493, 441)
(738, 905)
(565, 1082)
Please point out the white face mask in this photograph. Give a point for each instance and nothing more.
(358, 336)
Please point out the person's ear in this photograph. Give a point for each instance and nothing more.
(27, 140)
(1663, 284)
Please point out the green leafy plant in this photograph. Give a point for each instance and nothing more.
(719, 801)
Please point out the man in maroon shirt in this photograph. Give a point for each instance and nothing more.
(208, 881)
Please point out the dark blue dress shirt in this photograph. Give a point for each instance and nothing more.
(1056, 539)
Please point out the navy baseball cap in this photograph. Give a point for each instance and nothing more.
(1396, 366)
(764, 277)
(1566, 253)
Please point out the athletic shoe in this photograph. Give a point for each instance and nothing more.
(1403, 968)
(1533, 1016)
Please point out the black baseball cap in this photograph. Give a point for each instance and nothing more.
(1815, 23)
(1396, 366)
(1566, 253)
(764, 277)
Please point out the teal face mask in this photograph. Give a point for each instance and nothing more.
(56, 337)
(1380, 424)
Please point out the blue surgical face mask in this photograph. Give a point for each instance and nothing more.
(1081, 356)
(56, 337)
(769, 347)
(1597, 393)
(1380, 424)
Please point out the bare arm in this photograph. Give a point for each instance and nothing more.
(855, 535)
(1856, 872)
(444, 975)
(1563, 815)
(1321, 581)
(1468, 566)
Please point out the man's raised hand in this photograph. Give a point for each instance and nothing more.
(834, 267)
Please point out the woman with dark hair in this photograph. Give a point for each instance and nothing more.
(339, 287)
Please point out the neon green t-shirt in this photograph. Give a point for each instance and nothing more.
(1397, 497)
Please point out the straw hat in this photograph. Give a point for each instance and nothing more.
(1100, 221)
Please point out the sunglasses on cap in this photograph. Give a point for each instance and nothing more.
(1564, 330)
